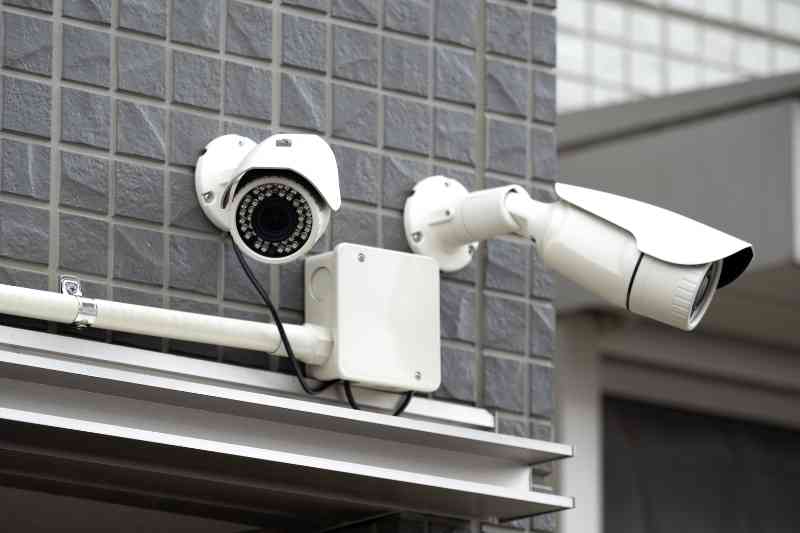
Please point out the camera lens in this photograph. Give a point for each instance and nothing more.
(274, 220)
(705, 285)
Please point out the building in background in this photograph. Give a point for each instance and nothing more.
(691, 105)
(611, 51)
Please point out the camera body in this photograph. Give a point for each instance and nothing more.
(275, 197)
(637, 256)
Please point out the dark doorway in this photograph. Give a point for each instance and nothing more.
(31, 511)
(667, 470)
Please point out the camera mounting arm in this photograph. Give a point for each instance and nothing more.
(445, 221)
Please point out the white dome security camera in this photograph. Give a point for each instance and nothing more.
(275, 197)
(648, 260)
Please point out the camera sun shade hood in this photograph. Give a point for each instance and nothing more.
(304, 154)
(229, 157)
(663, 234)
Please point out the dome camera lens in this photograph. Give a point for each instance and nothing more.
(274, 220)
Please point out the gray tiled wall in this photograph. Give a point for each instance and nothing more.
(106, 104)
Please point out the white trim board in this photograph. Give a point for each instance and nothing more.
(138, 360)
(177, 415)
(131, 444)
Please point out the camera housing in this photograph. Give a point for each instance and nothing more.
(382, 307)
(649, 260)
(637, 256)
(275, 197)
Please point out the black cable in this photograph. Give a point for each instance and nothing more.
(350, 399)
(279, 323)
(398, 410)
(298, 371)
(403, 403)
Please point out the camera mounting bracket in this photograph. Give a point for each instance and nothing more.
(215, 169)
(432, 205)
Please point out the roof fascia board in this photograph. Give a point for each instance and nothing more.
(594, 126)
(138, 360)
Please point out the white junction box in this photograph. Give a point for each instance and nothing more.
(382, 308)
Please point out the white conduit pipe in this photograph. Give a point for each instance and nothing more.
(311, 344)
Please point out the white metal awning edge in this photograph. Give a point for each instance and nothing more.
(409, 464)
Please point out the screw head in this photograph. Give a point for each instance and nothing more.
(416, 236)
(241, 142)
(447, 212)
(362, 258)
(418, 375)
(208, 196)
(446, 183)
(471, 249)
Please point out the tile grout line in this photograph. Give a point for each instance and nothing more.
(381, 122)
(480, 174)
(222, 241)
(276, 57)
(55, 157)
(112, 142)
(529, 174)
(168, 91)
(112, 150)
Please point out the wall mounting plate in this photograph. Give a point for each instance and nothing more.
(215, 169)
(434, 202)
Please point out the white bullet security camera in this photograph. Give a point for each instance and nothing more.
(646, 259)
(275, 197)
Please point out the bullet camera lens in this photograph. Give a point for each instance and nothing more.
(274, 220)
(705, 285)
